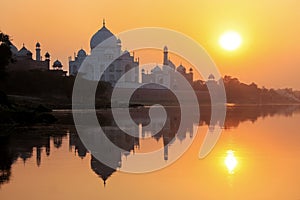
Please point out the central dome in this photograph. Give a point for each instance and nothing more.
(81, 53)
(100, 36)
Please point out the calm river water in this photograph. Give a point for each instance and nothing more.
(256, 157)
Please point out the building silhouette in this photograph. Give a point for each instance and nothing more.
(111, 54)
(23, 60)
(167, 75)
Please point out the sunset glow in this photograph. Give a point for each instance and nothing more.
(230, 40)
(269, 30)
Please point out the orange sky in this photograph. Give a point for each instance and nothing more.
(270, 30)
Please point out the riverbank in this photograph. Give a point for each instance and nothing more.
(23, 112)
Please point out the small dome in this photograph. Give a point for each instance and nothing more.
(13, 49)
(211, 77)
(101, 36)
(47, 55)
(126, 52)
(181, 68)
(38, 44)
(171, 64)
(81, 53)
(191, 70)
(57, 64)
(126, 153)
(24, 52)
(156, 69)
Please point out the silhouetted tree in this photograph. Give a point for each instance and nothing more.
(5, 53)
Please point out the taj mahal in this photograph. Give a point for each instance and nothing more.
(110, 54)
(121, 63)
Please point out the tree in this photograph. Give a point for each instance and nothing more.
(5, 53)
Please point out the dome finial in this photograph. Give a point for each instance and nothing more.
(103, 22)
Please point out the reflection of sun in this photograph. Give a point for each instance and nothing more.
(230, 161)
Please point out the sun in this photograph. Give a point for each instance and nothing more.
(230, 40)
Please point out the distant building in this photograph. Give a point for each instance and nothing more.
(23, 59)
(211, 82)
(166, 75)
(75, 64)
(121, 61)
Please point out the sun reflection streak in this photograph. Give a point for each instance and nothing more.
(230, 161)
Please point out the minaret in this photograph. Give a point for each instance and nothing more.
(38, 51)
(47, 56)
(166, 62)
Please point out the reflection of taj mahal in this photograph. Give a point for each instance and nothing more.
(129, 144)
